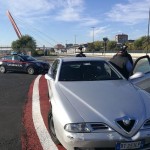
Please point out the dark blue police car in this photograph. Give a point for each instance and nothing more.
(23, 63)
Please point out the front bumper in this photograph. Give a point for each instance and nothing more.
(46, 68)
(101, 141)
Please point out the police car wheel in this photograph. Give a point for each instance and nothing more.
(2, 69)
(31, 70)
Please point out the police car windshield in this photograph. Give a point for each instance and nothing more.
(28, 58)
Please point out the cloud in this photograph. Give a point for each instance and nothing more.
(33, 7)
(89, 21)
(73, 11)
(58, 10)
(132, 13)
(68, 14)
(97, 31)
(43, 7)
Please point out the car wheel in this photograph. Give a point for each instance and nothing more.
(2, 69)
(51, 128)
(31, 70)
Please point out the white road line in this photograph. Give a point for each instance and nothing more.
(39, 125)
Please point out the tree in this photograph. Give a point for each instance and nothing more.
(24, 44)
(90, 47)
(141, 43)
(98, 46)
(112, 45)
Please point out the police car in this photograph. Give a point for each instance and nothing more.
(23, 63)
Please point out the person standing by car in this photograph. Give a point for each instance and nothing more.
(123, 62)
(81, 52)
(124, 48)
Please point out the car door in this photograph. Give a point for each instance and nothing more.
(142, 67)
(17, 63)
(7, 62)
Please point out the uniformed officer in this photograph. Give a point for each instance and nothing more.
(123, 62)
(81, 53)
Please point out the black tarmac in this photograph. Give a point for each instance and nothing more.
(13, 95)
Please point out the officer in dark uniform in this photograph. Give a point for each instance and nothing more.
(123, 62)
(124, 49)
(81, 53)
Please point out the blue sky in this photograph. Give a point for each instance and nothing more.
(51, 22)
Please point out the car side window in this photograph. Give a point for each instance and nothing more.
(7, 58)
(54, 69)
(107, 69)
(142, 65)
(15, 57)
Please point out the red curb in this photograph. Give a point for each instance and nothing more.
(45, 104)
(30, 140)
(44, 100)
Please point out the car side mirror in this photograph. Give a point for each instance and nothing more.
(136, 75)
(48, 77)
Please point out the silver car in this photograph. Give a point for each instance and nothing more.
(93, 107)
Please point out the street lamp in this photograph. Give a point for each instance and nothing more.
(148, 32)
(93, 33)
(93, 38)
(75, 42)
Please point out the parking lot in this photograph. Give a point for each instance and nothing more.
(14, 94)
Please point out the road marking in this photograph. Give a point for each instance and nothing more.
(42, 132)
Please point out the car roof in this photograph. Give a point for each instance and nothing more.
(67, 59)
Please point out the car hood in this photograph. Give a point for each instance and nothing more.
(37, 61)
(106, 101)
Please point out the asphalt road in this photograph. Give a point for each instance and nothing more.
(13, 94)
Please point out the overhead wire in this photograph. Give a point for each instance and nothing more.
(32, 32)
(35, 29)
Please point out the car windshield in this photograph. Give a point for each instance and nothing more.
(28, 58)
(87, 71)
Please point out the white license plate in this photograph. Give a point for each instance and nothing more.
(129, 145)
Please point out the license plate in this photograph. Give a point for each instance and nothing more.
(129, 145)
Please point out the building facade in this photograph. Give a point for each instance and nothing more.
(121, 38)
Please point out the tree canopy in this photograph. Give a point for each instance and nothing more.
(143, 43)
(24, 45)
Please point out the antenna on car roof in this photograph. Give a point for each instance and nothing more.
(148, 33)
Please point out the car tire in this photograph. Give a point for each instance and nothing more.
(2, 69)
(30, 70)
(51, 128)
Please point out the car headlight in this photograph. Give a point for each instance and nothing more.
(77, 128)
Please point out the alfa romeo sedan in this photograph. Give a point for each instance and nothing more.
(23, 63)
(93, 107)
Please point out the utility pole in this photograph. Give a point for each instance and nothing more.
(66, 46)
